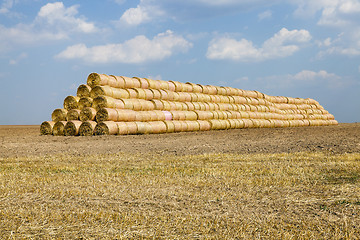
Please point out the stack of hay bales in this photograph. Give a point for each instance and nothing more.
(117, 105)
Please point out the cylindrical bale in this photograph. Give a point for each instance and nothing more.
(192, 126)
(59, 127)
(112, 81)
(156, 94)
(233, 123)
(158, 104)
(178, 86)
(166, 105)
(178, 115)
(170, 95)
(178, 106)
(190, 106)
(212, 90)
(107, 114)
(87, 128)
(72, 128)
(119, 81)
(168, 115)
(83, 91)
(106, 128)
(125, 115)
(132, 93)
(46, 128)
(190, 115)
(204, 115)
(158, 127)
(73, 114)
(131, 127)
(138, 104)
(108, 102)
(170, 127)
(85, 102)
(184, 97)
(164, 94)
(204, 125)
(240, 123)
(157, 115)
(144, 84)
(221, 91)
(248, 123)
(202, 106)
(59, 114)
(131, 82)
(164, 85)
(187, 87)
(143, 127)
(153, 84)
(122, 128)
(140, 93)
(195, 88)
(148, 94)
(177, 126)
(101, 90)
(87, 114)
(217, 124)
(142, 116)
(171, 86)
(204, 89)
(71, 102)
(120, 93)
(95, 79)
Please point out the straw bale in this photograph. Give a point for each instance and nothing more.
(101, 90)
(159, 105)
(87, 128)
(140, 93)
(72, 128)
(131, 82)
(157, 127)
(87, 114)
(153, 84)
(95, 79)
(144, 84)
(106, 128)
(125, 115)
(167, 105)
(85, 102)
(107, 114)
(83, 91)
(143, 127)
(170, 127)
(119, 82)
(71, 102)
(108, 102)
(46, 128)
(171, 86)
(59, 114)
(73, 114)
(59, 127)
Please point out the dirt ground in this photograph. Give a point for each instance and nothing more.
(17, 141)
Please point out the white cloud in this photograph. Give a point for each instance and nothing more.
(136, 50)
(265, 15)
(143, 13)
(53, 22)
(18, 59)
(57, 15)
(283, 44)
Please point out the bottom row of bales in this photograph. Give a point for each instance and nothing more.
(89, 128)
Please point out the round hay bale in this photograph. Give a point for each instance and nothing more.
(204, 125)
(59, 114)
(142, 116)
(131, 82)
(192, 126)
(119, 81)
(46, 128)
(158, 127)
(73, 114)
(144, 84)
(153, 84)
(156, 94)
(59, 127)
(101, 90)
(170, 127)
(167, 105)
(143, 128)
(85, 102)
(106, 128)
(108, 102)
(95, 79)
(87, 114)
(71, 102)
(195, 88)
(72, 128)
(83, 91)
(107, 114)
(158, 104)
(87, 128)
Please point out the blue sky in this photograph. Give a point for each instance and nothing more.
(297, 48)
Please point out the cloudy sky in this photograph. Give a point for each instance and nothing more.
(297, 48)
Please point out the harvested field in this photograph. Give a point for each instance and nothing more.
(283, 183)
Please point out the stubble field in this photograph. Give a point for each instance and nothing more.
(293, 183)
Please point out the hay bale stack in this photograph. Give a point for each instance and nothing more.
(117, 105)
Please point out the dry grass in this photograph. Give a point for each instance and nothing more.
(153, 196)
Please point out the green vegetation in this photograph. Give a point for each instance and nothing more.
(212, 196)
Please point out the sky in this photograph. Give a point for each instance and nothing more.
(294, 48)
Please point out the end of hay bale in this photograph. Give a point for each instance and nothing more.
(58, 129)
(46, 128)
(95, 79)
(106, 128)
(87, 128)
(59, 114)
(72, 128)
(71, 102)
